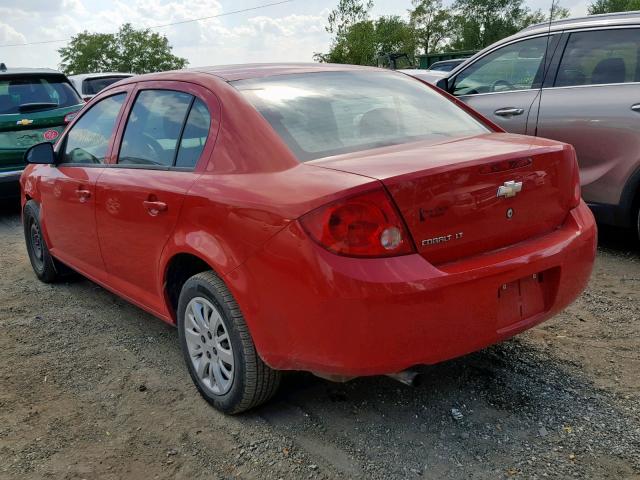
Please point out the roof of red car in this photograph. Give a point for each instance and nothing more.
(231, 73)
(259, 70)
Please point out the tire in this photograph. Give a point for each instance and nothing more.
(44, 265)
(219, 353)
(638, 223)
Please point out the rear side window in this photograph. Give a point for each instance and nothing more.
(329, 113)
(600, 57)
(165, 128)
(194, 136)
(23, 94)
(88, 139)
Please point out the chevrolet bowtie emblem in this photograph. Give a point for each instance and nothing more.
(24, 122)
(509, 189)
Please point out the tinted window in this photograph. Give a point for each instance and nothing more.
(91, 86)
(88, 140)
(323, 114)
(194, 136)
(600, 57)
(32, 93)
(154, 127)
(512, 67)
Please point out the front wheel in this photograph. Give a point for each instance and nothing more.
(41, 260)
(218, 349)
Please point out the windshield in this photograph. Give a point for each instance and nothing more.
(32, 93)
(329, 113)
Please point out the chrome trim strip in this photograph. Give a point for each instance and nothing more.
(591, 85)
(11, 173)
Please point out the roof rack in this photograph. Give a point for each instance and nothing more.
(588, 17)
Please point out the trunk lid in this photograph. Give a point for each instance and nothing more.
(448, 196)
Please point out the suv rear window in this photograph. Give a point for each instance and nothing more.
(22, 94)
(322, 114)
(92, 86)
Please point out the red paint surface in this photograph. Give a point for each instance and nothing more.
(308, 308)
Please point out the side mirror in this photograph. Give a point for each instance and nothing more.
(443, 83)
(41, 153)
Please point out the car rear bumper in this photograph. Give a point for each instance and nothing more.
(343, 316)
(10, 183)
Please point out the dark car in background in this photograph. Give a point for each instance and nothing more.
(89, 85)
(35, 106)
(446, 65)
(573, 80)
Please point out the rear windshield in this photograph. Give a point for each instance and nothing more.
(32, 93)
(92, 86)
(329, 113)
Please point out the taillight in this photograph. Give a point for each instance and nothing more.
(69, 117)
(365, 225)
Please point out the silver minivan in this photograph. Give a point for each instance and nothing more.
(574, 80)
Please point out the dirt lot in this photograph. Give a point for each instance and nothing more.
(92, 387)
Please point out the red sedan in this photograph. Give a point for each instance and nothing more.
(341, 220)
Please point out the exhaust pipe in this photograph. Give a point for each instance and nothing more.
(408, 377)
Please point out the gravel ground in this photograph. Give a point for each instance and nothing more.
(92, 387)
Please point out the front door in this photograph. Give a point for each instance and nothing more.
(140, 197)
(504, 84)
(68, 189)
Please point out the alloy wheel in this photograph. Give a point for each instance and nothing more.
(209, 346)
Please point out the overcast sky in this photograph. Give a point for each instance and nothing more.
(288, 32)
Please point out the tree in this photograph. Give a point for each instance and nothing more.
(430, 21)
(129, 50)
(479, 23)
(394, 35)
(346, 14)
(611, 6)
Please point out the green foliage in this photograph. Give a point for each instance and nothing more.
(431, 23)
(466, 25)
(129, 50)
(611, 6)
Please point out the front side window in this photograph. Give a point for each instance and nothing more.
(87, 142)
(513, 67)
(154, 127)
(329, 113)
(600, 57)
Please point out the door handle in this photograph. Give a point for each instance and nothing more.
(636, 107)
(509, 111)
(83, 195)
(154, 208)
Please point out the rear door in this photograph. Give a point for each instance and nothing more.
(594, 104)
(504, 84)
(140, 196)
(68, 189)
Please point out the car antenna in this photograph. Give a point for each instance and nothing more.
(3, 67)
(545, 60)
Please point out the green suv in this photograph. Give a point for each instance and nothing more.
(35, 106)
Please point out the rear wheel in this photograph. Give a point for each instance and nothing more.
(218, 349)
(41, 260)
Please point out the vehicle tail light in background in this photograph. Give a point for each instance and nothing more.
(577, 192)
(69, 117)
(364, 225)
